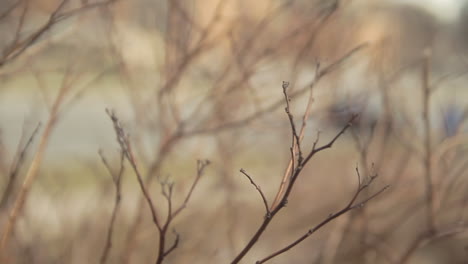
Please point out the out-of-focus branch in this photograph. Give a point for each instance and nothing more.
(20, 157)
(275, 105)
(33, 170)
(323, 20)
(429, 192)
(75, 11)
(10, 9)
(19, 45)
(117, 180)
(202, 45)
(427, 237)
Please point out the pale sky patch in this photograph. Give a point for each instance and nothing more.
(445, 10)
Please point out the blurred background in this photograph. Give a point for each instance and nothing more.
(202, 79)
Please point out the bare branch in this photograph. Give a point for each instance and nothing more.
(33, 170)
(427, 237)
(265, 202)
(10, 9)
(201, 165)
(73, 12)
(295, 144)
(290, 169)
(167, 193)
(18, 46)
(167, 189)
(273, 106)
(117, 179)
(123, 140)
(20, 157)
(284, 198)
(174, 246)
(350, 206)
(330, 144)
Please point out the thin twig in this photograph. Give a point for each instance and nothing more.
(10, 9)
(201, 165)
(73, 12)
(275, 105)
(284, 199)
(174, 245)
(265, 202)
(16, 166)
(167, 189)
(125, 146)
(330, 144)
(296, 143)
(117, 180)
(426, 237)
(17, 46)
(289, 171)
(350, 206)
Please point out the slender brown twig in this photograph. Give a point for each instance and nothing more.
(265, 202)
(117, 180)
(123, 140)
(295, 172)
(296, 147)
(167, 189)
(350, 206)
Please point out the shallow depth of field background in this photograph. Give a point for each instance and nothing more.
(202, 79)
